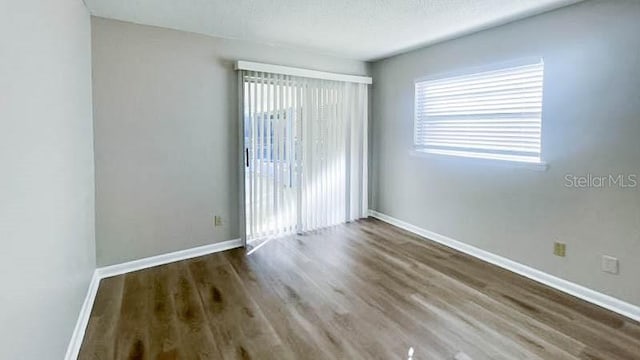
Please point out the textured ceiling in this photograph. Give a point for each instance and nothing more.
(359, 29)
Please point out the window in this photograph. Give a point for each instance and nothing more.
(493, 114)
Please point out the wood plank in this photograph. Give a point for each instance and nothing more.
(164, 333)
(131, 340)
(197, 341)
(237, 323)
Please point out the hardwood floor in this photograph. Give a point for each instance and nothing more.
(364, 290)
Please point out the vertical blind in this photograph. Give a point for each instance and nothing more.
(306, 153)
(493, 114)
(270, 104)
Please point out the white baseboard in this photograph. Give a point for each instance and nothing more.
(83, 319)
(104, 272)
(579, 291)
(113, 270)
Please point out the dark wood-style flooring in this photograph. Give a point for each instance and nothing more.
(364, 290)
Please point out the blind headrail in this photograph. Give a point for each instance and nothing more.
(294, 71)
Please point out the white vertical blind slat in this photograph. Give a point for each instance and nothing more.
(320, 155)
(269, 150)
(258, 170)
(307, 142)
(250, 145)
(331, 206)
(336, 154)
(287, 155)
(276, 157)
(341, 166)
(364, 158)
(297, 158)
(264, 192)
(313, 159)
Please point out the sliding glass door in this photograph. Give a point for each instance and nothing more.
(304, 153)
(270, 104)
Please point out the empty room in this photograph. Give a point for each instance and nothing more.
(337, 179)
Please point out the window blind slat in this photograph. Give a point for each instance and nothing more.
(487, 74)
(489, 121)
(488, 89)
(494, 114)
(485, 155)
(483, 98)
(520, 138)
(480, 95)
(473, 125)
(485, 83)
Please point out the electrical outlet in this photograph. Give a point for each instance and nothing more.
(560, 249)
(609, 264)
(217, 220)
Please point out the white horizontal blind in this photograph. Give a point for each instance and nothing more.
(493, 114)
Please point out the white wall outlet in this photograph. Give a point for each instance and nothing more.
(610, 264)
(217, 220)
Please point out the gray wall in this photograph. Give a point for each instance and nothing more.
(46, 176)
(166, 135)
(591, 124)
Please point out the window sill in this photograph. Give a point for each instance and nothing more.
(538, 166)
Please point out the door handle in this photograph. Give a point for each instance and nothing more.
(246, 152)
